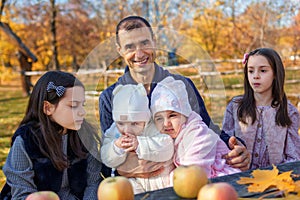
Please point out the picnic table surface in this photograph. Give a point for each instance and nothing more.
(169, 194)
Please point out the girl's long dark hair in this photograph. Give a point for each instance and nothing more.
(47, 133)
(247, 105)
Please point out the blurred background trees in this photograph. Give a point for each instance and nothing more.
(61, 33)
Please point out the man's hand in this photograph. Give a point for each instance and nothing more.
(238, 157)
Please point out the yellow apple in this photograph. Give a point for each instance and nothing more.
(115, 188)
(187, 180)
(43, 195)
(217, 191)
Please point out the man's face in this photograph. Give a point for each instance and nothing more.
(137, 47)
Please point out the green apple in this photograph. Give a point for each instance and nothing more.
(115, 188)
(188, 180)
(43, 195)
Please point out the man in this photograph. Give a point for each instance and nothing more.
(136, 43)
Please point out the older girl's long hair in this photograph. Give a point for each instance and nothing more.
(247, 105)
(47, 133)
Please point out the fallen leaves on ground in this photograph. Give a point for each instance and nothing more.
(262, 180)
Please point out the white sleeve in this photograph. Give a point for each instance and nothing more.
(111, 156)
(155, 146)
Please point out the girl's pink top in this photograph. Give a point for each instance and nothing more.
(197, 144)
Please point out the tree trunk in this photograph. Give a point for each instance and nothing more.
(1, 8)
(55, 63)
(25, 79)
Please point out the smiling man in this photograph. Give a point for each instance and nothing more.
(136, 43)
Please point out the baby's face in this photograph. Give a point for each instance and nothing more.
(134, 128)
(169, 122)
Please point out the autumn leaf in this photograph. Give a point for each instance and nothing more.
(261, 180)
(284, 182)
(265, 179)
(297, 187)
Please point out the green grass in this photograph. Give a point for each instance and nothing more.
(12, 110)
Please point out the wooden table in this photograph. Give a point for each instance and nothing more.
(169, 194)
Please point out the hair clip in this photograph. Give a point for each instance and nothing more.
(60, 90)
(246, 56)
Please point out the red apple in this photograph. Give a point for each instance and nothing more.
(43, 195)
(187, 180)
(115, 188)
(217, 191)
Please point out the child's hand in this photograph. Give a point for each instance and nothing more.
(118, 142)
(128, 142)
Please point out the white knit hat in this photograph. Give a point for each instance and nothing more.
(130, 103)
(170, 94)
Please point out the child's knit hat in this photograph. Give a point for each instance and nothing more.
(170, 94)
(130, 103)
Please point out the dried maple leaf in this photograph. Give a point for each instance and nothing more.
(261, 180)
(291, 197)
(264, 179)
(284, 182)
(297, 187)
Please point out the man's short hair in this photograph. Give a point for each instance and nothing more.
(130, 23)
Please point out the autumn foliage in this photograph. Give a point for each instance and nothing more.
(263, 180)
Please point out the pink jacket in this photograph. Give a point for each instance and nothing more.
(197, 144)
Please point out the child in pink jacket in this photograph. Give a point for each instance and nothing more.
(194, 142)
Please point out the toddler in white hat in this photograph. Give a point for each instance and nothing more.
(194, 142)
(130, 103)
(133, 145)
